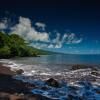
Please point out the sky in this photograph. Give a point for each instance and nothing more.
(68, 26)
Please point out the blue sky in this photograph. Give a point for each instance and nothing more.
(51, 21)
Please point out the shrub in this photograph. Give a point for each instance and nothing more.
(5, 52)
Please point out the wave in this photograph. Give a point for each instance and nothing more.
(42, 71)
(70, 80)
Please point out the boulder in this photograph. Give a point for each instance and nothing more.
(52, 82)
(19, 71)
(79, 66)
(95, 73)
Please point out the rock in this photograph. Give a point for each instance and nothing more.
(4, 98)
(19, 71)
(73, 88)
(11, 85)
(95, 73)
(52, 82)
(77, 66)
(73, 97)
(98, 91)
(44, 88)
(6, 70)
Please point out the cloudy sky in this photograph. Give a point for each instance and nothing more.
(68, 26)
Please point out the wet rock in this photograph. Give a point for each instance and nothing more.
(74, 97)
(10, 85)
(6, 70)
(44, 88)
(73, 88)
(98, 91)
(94, 68)
(76, 67)
(4, 98)
(21, 99)
(52, 82)
(19, 71)
(95, 73)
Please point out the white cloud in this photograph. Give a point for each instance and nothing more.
(57, 39)
(64, 37)
(77, 41)
(40, 39)
(39, 45)
(71, 39)
(59, 45)
(51, 46)
(24, 29)
(57, 42)
(3, 24)
(40, 25)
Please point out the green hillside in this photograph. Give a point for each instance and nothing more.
(15, 46)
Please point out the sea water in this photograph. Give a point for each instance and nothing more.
(38, 69)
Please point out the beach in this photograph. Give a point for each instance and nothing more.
(17, 83)
(12, 89)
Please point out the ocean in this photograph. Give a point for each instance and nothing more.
(51, 64)
(79, 83)
(61, 59)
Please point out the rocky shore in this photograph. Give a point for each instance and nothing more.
(12, 89)
(14, 86)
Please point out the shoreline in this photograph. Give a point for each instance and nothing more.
(5, 70)
(80, 70)
(13, 88)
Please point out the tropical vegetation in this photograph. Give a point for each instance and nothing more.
(15, 46)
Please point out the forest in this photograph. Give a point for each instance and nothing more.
(15, 46)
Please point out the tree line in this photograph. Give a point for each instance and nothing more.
(15, 46)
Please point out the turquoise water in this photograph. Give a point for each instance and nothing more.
(61, 59)
(54, 63)
(38, 69)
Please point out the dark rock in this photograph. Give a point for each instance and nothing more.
(98, 91)
(19, 71)
(44, 88)
(95, 73)
(21, 99)
(73, 88)
(4, 98)
(52, 82)
(10, 85)
(70, 97)
(77, 66)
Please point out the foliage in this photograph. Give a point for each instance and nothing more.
(13, 45)
(5, 52)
